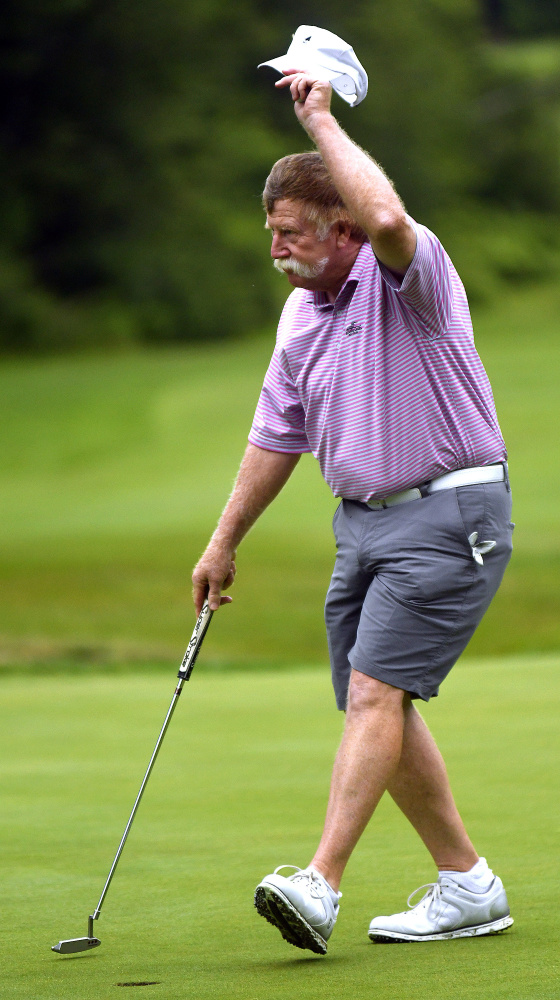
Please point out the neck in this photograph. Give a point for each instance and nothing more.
(332, 293)
(334, 286)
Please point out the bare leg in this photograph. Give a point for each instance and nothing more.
(420, 787)
(387, 746)
(365, 763)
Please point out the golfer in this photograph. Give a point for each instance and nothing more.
(375, 372)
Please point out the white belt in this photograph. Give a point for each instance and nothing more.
(449, 480)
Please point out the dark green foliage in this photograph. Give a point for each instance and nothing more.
(133, 156)
(522, 18)
(136, 137)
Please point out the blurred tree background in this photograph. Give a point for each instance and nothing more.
(136, 137)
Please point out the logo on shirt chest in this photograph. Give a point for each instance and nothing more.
(353, 328)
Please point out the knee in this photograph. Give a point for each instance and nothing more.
(367, 694)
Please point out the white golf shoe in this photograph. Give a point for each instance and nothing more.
(447, 910)
(302, 906)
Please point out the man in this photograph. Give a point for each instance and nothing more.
(375, 372)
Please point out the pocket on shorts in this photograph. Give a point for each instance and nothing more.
(471, 504)
(486, 509)
(429, 559)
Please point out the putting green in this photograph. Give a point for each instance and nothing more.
(240, 787)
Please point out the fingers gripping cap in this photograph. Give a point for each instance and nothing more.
(318, 51)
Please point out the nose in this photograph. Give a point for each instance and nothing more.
(278, 247)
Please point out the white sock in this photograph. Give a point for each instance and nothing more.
(335, 896)
(478, 879)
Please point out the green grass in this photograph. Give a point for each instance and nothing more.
(114, 469)
(240, 787)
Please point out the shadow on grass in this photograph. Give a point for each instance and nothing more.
(295, 962)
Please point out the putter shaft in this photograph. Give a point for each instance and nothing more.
(185, 670)
(171, 709)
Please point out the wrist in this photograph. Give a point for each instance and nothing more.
(222, 546)
(224, 541)
(320, 123)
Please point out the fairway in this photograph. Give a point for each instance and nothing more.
(239, 788)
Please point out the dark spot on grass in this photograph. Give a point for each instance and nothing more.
(154, 982)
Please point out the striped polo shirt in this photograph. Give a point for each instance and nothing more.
(384, 386)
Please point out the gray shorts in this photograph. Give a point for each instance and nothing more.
(407, 592)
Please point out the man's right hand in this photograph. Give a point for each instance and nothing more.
(214, 572)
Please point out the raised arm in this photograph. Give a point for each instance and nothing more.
(367, 193)
(261, 477)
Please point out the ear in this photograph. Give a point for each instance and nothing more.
(343, 233)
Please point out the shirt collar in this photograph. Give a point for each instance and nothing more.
(320, 300)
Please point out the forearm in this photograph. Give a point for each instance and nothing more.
(366, 191)
(261, 477)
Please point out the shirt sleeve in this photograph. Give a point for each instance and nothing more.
(279, 421)
(428, 286)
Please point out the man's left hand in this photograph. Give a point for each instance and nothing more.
(310, 95)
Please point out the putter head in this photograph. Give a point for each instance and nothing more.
(76, 944)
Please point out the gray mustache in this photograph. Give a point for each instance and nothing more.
(290, 265)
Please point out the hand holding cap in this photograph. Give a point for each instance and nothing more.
(320, 52)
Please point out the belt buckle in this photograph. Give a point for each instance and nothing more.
(376, 504)
(394, 499)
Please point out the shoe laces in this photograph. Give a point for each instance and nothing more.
(316, 884)
(431, 896)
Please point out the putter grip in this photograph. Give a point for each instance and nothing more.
(195, 643)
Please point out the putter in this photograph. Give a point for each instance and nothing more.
(185, 670)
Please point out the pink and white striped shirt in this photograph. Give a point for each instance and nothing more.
(384, 386)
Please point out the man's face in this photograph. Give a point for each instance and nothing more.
(296, 249)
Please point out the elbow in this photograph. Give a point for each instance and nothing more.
(391, 226)
(394, 240)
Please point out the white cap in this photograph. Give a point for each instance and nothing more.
(318, 51)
